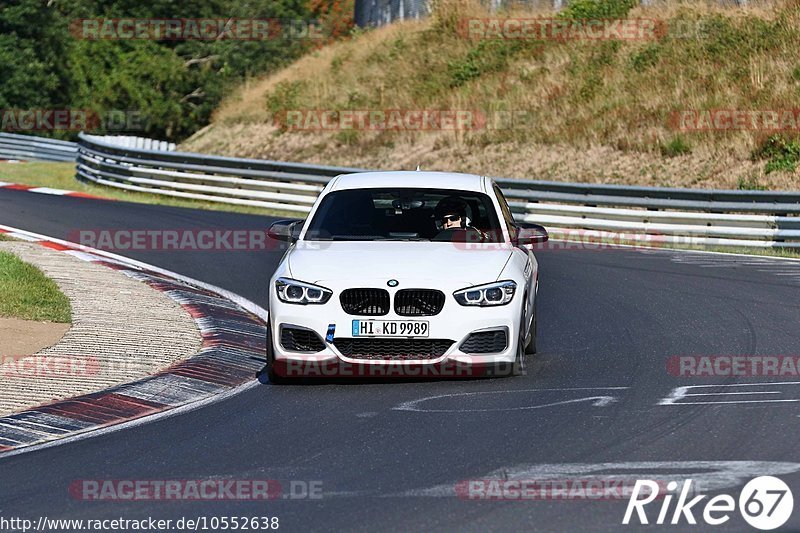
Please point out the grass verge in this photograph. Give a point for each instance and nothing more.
(785, 253)
(28, 294)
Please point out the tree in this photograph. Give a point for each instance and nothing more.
(336, 16)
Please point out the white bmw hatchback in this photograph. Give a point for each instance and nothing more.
(404, 270)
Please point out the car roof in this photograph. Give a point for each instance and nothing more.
(410, 179)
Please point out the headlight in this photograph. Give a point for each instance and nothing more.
(498, 293)
(296, 292)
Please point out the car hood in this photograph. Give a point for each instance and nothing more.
(409, 263)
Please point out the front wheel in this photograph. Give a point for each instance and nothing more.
(530, 345)
(274, 377)
(518, 367)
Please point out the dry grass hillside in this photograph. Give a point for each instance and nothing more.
(585, 110)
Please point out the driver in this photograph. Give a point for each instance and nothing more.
(451, 214)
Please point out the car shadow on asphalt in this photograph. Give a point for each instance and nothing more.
(370, 377)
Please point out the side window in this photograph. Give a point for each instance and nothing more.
(507, 216)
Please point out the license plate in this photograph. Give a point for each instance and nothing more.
(390, 328)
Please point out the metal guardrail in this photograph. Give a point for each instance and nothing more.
(580, 211)
(268, 184)
(26, 147)
(614, 212)
(130, 141)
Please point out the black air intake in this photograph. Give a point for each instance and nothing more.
(300, 340)
(365, 302)
(392, 349)
(418, 302)
(485, 342)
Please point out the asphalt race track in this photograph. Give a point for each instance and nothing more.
(388, 455)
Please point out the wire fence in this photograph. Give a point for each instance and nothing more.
(382, 12)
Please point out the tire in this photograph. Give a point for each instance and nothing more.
(518, 367)
(274, 377)
(530, 344)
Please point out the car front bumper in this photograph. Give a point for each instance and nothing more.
(454, 322)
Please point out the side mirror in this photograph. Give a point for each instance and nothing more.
(285, 230)
(531, 234)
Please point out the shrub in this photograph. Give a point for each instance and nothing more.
(750, 183)
(781, 154)
(645, 58)
(675, 147)
(595, 9)
(487, 56)
(285, 96)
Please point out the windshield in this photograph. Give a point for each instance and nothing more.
(405, 214)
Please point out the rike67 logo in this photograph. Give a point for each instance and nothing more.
(765, 503)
